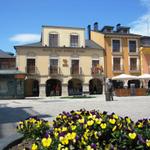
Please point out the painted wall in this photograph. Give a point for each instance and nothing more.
(42, 58)
(98, 38)
(145, 59)
(63, 36)
(106, 41)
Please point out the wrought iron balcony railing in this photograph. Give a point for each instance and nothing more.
(54, 70)
(134, 69)
(76, 70)
(97, 70)
(118, 68)
(31, 70)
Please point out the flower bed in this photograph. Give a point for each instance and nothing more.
(87, 130)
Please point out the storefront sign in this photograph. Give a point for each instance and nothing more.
(20, 76)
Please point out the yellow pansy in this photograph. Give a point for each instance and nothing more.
(81, 120)
(60, 146)
(78, 112)
(34, 147)
(83, 141)
(64, 129)
(112, 121)
(140, 125)
(98, 121)
(90, 122)
(115, 116)
(103, 125)
(128, 120)
(58, 117)
(132, 135)
(73, 127)
(64, 140)
(89, 147)
(64, 116)
(56, 134)
(48, 123)
(85, 126)
(38, 124)
(66, 148)
(148, 143)
(46, 142)
(32, 120)
(71, 136)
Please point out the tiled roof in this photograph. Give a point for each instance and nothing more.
(5, 54)
(92, 44)
(64, 27)
(88, 44)
(118, 33)
(145, 41)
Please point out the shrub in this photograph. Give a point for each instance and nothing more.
(88, 130)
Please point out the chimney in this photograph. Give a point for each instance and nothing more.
(118, 26)
(96, 26)
(89, 31)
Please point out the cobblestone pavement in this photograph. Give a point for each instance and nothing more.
(12, 111)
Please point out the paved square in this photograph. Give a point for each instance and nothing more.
(12, 111)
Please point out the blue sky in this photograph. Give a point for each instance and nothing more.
(21, 20)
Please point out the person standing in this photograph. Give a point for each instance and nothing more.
(109, 90)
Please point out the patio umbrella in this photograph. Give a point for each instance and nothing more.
(124, 77)
(144, 76)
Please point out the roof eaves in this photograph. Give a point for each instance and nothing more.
(64, 27)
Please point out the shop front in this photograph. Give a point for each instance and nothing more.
(11, 84)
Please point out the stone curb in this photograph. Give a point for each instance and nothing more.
(12, 140)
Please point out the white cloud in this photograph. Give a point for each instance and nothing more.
(25, 38)
(142, 24)
(146, 3)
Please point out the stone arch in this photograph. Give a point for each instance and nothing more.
(95, 86)
(53, 87)
(75, 87)
(31, 88)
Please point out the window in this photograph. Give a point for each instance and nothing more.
(75, 67)
(53, 66)
(132, 46)
(53, 40)
(30, 65)
(116, 64)
(116, 45)
(7, 63)
(133, 64)
(95, 63)
(96, 67)
(74, 40)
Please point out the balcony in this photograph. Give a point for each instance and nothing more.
(97, 70)
(54, 70)
(119, 53)
(134, 53)
(76, 70)
(117, 68)
(134, 69)
(31, 70)
(7, 67)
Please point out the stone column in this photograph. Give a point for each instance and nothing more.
(86, 87)
(64, 90)
(42, 90)
(103, 88)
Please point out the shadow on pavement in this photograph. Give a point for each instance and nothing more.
(11, 115)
